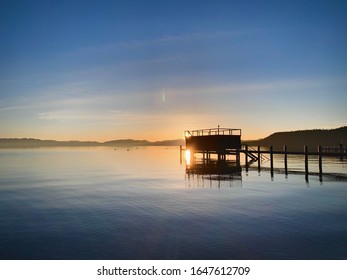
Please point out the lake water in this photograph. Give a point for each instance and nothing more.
(102, 203)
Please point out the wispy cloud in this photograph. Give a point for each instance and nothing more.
(129, 117)
(118, 47)
(198, 36)
(256, 88)
(109, 105)
(13, 108)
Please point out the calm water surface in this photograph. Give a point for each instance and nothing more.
(101, 203)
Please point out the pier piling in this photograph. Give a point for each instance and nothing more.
(320, 163)
(306, 162)
(271, 161)
(259, 158)
(246, 157)
(285, 160)
(181, 150)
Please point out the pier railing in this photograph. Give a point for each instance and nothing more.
(212, 131)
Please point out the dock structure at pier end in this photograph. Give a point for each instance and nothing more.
(218, 141)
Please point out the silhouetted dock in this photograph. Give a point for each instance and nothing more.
(219, 141)
(225, 142)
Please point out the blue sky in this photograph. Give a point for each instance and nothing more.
(102, 70)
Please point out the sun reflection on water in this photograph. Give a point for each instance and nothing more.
(187, 157)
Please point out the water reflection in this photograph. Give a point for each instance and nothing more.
(101, 203)
(212, 170)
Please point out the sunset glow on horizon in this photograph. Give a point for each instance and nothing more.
(105, 70)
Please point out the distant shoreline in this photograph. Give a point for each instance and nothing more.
(36, 143)
(292, 139)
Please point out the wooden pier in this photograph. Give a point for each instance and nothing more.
(225, 142)
(320, 153)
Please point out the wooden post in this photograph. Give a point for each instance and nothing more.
(259, 158)
(271, 161)
(306, 162)
(180, 154)
(320, 163)
(246, 155)
(285, 160)
(341, 151)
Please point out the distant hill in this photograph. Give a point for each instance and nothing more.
(32, 143)
(126, 142)
(176, 142)
(131, 142)
(295, 140)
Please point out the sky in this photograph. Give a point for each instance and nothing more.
(103, 70)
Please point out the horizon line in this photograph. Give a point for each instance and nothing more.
(156, 141)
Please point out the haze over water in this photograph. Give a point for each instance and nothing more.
(101, 203)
